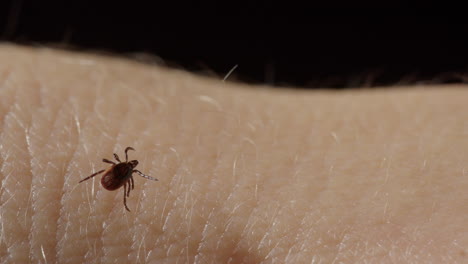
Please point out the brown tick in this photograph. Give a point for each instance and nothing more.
(119, 174)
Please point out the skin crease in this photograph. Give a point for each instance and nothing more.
(246, 174)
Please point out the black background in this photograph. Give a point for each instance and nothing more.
(290, 45)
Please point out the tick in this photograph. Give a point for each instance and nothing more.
(120, 174)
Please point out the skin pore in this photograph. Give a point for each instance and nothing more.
(247, 174)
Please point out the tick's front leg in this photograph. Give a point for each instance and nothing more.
(145, 176)
(117, 158)
(108, 161)
(126, 155)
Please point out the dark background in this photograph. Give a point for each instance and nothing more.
(278, 45)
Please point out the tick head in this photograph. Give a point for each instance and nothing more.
(133, 163)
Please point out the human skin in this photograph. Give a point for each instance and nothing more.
(247, 174)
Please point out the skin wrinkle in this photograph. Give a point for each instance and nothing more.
(7, 93)
(45, 188)
(71, 168)
(241, 251)
(188, 219)
(21, 113)
(319, 148)
(199, 183)
(226, 232)
(398, 163)
(208, 226)
(166, 156)
(273, 230)
(14, 141)
(138, 239)
(163, 245)
(41, 185)
(300, 241)
(163, 248)
(294, 218)
(232, 163)
(179, 236)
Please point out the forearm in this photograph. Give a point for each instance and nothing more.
(245, 173)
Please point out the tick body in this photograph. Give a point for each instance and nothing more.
(120, 174)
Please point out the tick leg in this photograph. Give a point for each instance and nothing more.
(92, 175)
(133, 184)
(117, 158)
(145, 176)
(128, 190)
(125, 197)
(126, 155)
(108, 161)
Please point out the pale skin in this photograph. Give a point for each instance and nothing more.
(246, 174)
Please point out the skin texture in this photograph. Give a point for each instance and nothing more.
(247, 174)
